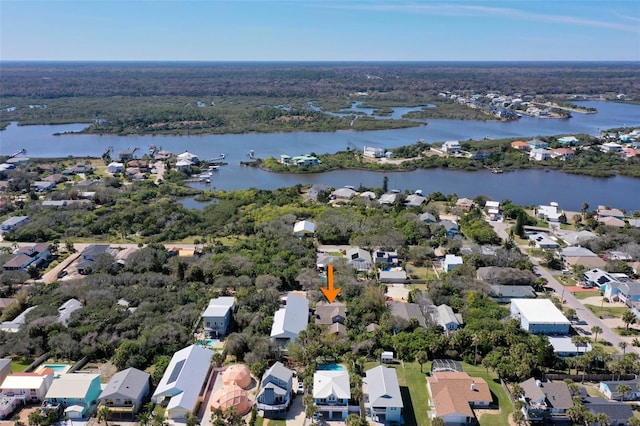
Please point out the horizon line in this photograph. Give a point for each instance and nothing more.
(632, 61)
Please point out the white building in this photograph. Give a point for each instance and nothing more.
(372, 152)
(290, 319)
(451, 262)
(451, 147)
(539, 316)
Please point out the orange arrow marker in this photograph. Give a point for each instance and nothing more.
(330, 292)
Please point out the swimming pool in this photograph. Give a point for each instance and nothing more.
(330, 367)
(208, 343)
(57, 368)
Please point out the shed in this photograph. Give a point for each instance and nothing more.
(386, 357)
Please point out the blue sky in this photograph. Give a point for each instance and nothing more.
(326, 30)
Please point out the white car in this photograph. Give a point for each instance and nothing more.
(300, 387)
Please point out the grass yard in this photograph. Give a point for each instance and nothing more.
(581, 295)
(413, 387)
(270, 422)
(19, 365)
(506, 407)
(616, 311)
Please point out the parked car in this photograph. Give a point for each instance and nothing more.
(300, 387)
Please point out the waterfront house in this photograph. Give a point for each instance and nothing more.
(539, 316)
(181, 386)
(372, 152)
(562, 153)
(359, 259)
(545, 400)
(66, 309)
(304, 228)
(24, 257)
(465, 204)
(537, 144)
(13, 222)
(188, 156)
(331, 394)
(276, 390)
(611, 147)
(126, 154)
(568, 140)
(28, 387)
(125, 393)
(612, 221)
(520, 145)
(454, 395)
(382, 397)
(183, 165)
(217, 316)
(388, 198)
(550, 213)
(610, 389)
(75, 392)
(446, 318)
(540, 154)
(343, 194)
(290, 319)
(452, 147)
(316, 190)
(604, 211)
(492, 208)
(414, 200)
(451, 262)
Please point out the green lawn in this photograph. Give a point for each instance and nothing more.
(19, 365)
(581, 295)
(616, 311)
(506, 407)
(413, 387)
(270, 422)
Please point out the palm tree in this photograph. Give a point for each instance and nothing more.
(422, 357)
(628, 317)
(623, 390)
(623, 346)
(144, 418)
(437, 421)
(602, 419)
(596, 330)
(103, 414)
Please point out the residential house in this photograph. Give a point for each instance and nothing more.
(88, 257)
(276, 390)
(28, 256)
(13, 222)
(612, 221)
(543, 241)
(183, 165)
(452, 147)
(603, 211)
(537, 144)
(317, 190)
(505, 293)
(16, 324)
(388, 198)
(181, 386)
(359, 259)
(610, 389)
(299, 160)
(618, 413)
(480, 155)
(368, 195)
(43, 185)
(520, 145)
(372, 152)
(454, 395)
(629, 292)
(465, 204)
(545, 400)
(126, 154)
(323, 260)
(577, 238)
(550, 213)
(386, 357)
(564, 347)
(28, 387)
(290, 319)
(75, 392)
(115, 167)
(428, 218)
(187, 156)
(218, 316)
(54, 203)
(382, 397)
(331, 394)
(540, 154)
(611, 147)
(329, 313)
(343, 194)
(386, 257)
(446, 318)
(125, 393)
(414, 200)
(450, 228)
(304, 228)
(539, 316)
(493, 209)
(393, 276)
(563, 153)
(407, 311)
(576, 255)
(451, 262)
(66, 309)
(568, 140)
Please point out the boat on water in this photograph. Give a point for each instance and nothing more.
(496, 170)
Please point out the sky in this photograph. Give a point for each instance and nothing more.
(320, 30)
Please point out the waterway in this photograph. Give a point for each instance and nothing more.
(523, 187)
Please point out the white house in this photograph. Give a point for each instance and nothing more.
(187, 156)
(564, 347)
(372, 152)
(182, 382)
(611, 147)
(359, 259)
(451, 147)
(550, 213)
(290, 319)
(540, 154)
(382, 397)
(29, 387)
(539, 316)
(304, 227)
(451, 262)
(115, 167)
(66, 309)
(331, 392)
(543, 241)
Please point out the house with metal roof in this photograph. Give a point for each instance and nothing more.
(359, 259)
(182, 384)
(564, 347)
(382, 397)
(290, 319)
(275, 393)
(504, 293)
(28, 387)
(16, 324)
(13, 223)
(218, 316)
(446, 318)
(451, 261)
(75, 392)
(539, 316)
(610, 389)
(331, 393)
(66, 309)
(125, 393)
(303, 228)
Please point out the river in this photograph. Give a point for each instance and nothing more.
(522, 187)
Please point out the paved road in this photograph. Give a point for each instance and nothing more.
(569, 299)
